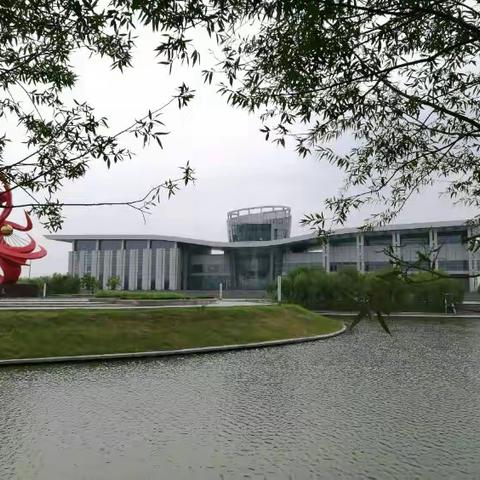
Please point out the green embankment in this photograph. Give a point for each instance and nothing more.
(28, 334)
(142, 295)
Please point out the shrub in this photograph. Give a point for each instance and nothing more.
(113, 282)
(89, 282)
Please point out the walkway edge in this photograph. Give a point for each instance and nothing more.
(168, 353)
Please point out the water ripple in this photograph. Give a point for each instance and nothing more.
(359, 406)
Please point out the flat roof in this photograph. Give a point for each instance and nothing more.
(308, 238)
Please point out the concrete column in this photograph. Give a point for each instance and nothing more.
(231, 263)
(160, 269)
(185, 256)
(120, 267)
(326, 256)
(433, 244)
(82, 267)
(76, 264)
(396, 244)
(271, 260)
(95, 264)
(472, 267)
(71, 263)
(107, 266)
(133, 269)
(360, 253)
(147, 269)
(174, 269)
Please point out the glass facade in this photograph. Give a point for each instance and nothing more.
(248, 232)
(258, 224)
(253, 269)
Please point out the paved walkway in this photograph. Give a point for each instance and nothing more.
(85, 304)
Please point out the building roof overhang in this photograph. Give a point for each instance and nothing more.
(309, 239)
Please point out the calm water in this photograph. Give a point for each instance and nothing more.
(357, 406)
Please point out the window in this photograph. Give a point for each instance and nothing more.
(86, 245)
(162, 244)
(135, 244)
(453, 265)
(414, 239)
(197, 268)
(375, 266)
(110, 244)
(339, 266)
(378, 240)
(246, 232)
(344, 242)
(444, 238)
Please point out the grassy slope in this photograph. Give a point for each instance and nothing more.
(75, 332)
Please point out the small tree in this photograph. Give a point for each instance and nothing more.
(113, 282)
(89, 282)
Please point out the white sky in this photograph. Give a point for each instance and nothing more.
(235, 166)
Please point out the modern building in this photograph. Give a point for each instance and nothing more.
(260, 248)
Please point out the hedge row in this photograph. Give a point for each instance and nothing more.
(383, 291)
(56, 284)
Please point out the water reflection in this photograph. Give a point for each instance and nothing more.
(361, 405)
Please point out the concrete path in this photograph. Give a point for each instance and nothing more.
(85, 304)
(472, 315)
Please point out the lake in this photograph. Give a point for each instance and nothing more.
(358, 406)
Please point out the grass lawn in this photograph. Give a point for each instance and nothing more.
(52, 333)
(142, 295)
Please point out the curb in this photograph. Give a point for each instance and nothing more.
(168, 353)
(400, 315)
(153, 303)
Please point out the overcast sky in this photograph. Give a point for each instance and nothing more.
(235, 166)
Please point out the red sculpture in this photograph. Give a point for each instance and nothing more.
(15, 252)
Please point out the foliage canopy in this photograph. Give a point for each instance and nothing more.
(398, 78)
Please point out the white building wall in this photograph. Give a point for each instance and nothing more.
(175, 266)
(71, 263)
(291, 260)
(160, 269)
(146, 269)
(132, 269)
(82, 263)
(120, 267)
(360, 252)
(107, 266)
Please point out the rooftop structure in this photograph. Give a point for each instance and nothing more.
(269, 222)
